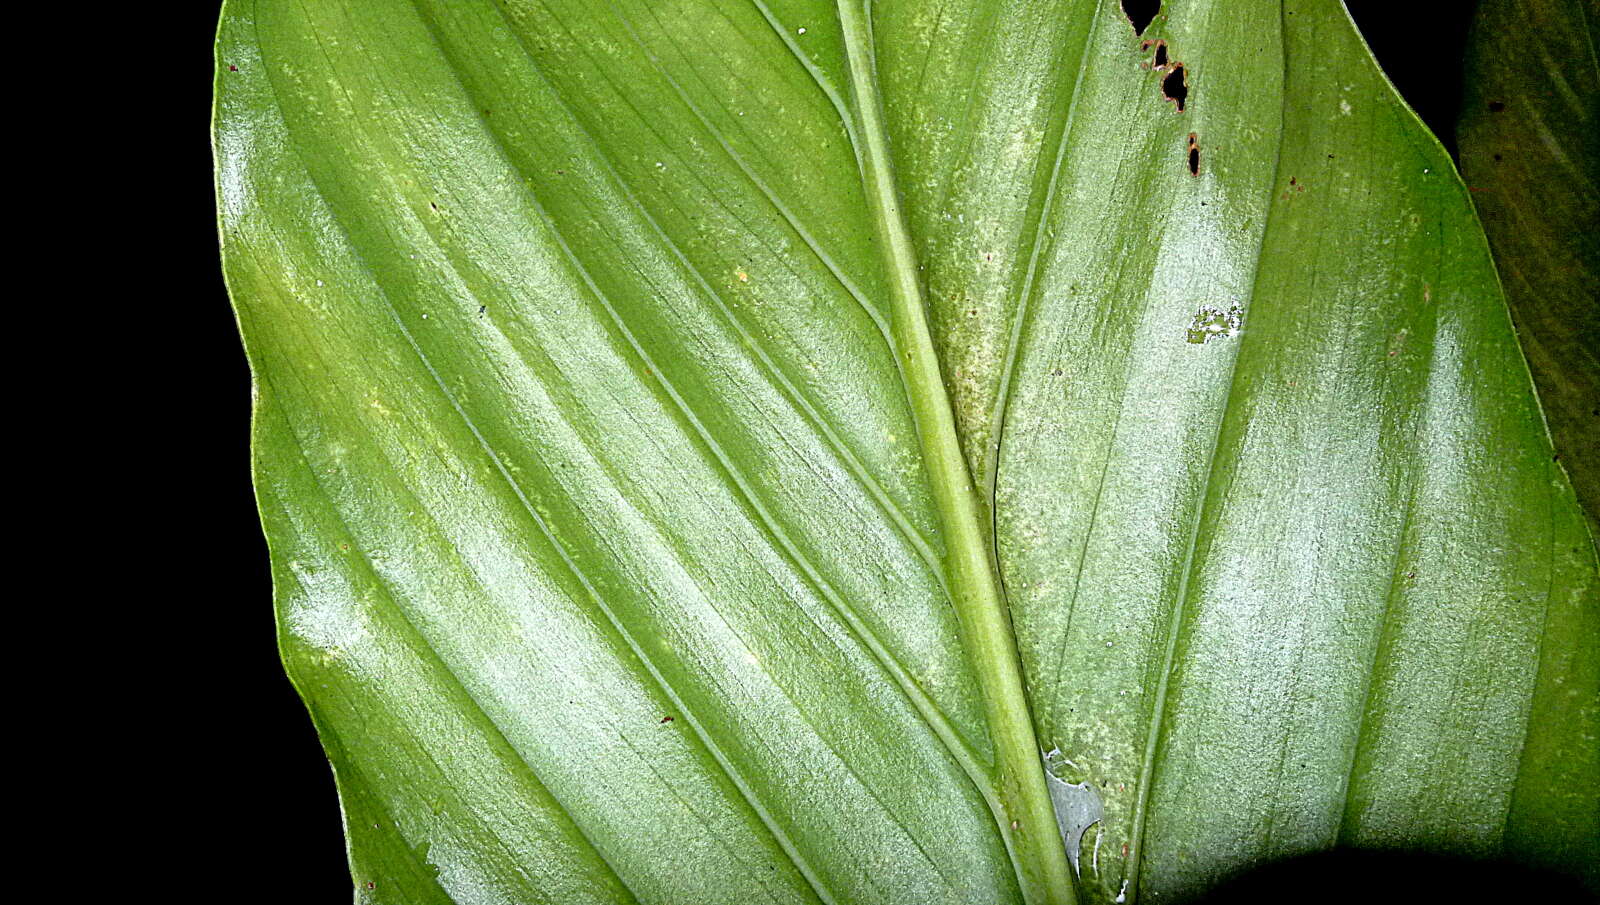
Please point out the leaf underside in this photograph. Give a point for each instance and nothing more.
(604, 547)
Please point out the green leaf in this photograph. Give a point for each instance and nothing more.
(1530, 150)
(1531, 153)
(765, 452)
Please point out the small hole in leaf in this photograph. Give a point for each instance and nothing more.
(1176, 86)
(1161, 55)
(1194, 154)
(1140, 13)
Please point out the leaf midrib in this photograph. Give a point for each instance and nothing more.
(912, 535)
(1026, 816)
(959, 748)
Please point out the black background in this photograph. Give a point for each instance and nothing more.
(242, 775)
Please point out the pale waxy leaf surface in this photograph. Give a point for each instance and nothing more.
(613, 556)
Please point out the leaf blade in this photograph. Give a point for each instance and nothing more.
(593, 377)
(1247, 516)
(874, 804)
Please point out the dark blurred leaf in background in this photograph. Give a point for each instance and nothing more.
(1528, 151)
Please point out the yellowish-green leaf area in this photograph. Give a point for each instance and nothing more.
(714, 452)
